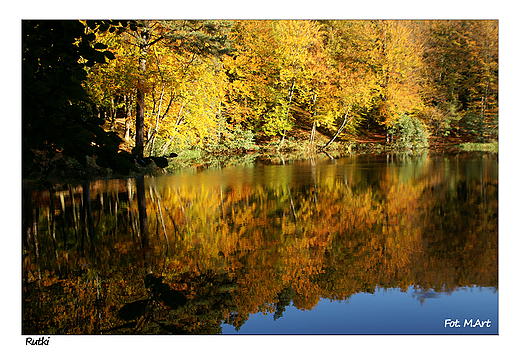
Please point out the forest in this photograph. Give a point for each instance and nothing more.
(188, 252)
(125, 95)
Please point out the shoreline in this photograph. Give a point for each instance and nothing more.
(198, 160)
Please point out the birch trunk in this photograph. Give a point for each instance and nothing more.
(313, 131)
(128, 114)
(345, 122)
(291, 91)
(157, 118)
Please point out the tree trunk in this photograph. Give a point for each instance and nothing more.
(128, 114)
(291, 91)
(74, 214)
(313, 131)
(157, 118)
(179, 119)
(483, 110)
(143, 222)
(27, 217)
(345, 122)
(51, 223)
(88, 220)
(141, 205)
(113, 114)
(139, 117)
(158, 204)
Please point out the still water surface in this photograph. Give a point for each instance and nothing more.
(357, 245)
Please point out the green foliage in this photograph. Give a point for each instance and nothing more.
(369, 147)
(478, 128)
(234, 139)
(481, 147)
(408, 133)
(462, 63)
(275, 123)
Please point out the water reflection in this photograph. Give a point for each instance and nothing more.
(257, 239)
(387, 311)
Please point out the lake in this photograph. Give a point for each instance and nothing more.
(367, 244)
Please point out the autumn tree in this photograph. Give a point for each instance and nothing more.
(186, 36)
(462, 58)
(297, 42)
(274, 73)
(185, 99)
(112, 86)
(252, 71)
(399, 70)
(351, 83)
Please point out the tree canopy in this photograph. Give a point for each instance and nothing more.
(129, 92)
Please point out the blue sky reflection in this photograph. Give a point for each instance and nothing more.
(387, 312)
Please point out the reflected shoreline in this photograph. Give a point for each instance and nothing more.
(381, 312)
(246, 240)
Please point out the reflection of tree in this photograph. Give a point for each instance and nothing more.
(210, 302)
(86, 217)
(141, 315)
(167, 310)
(284, 300)
(143, 216)
(234, 251)
(422, 295)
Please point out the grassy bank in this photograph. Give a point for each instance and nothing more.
(479, 147)
(295, 146)
(266, 152)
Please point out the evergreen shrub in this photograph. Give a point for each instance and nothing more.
(408, 133)
(234, 140)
